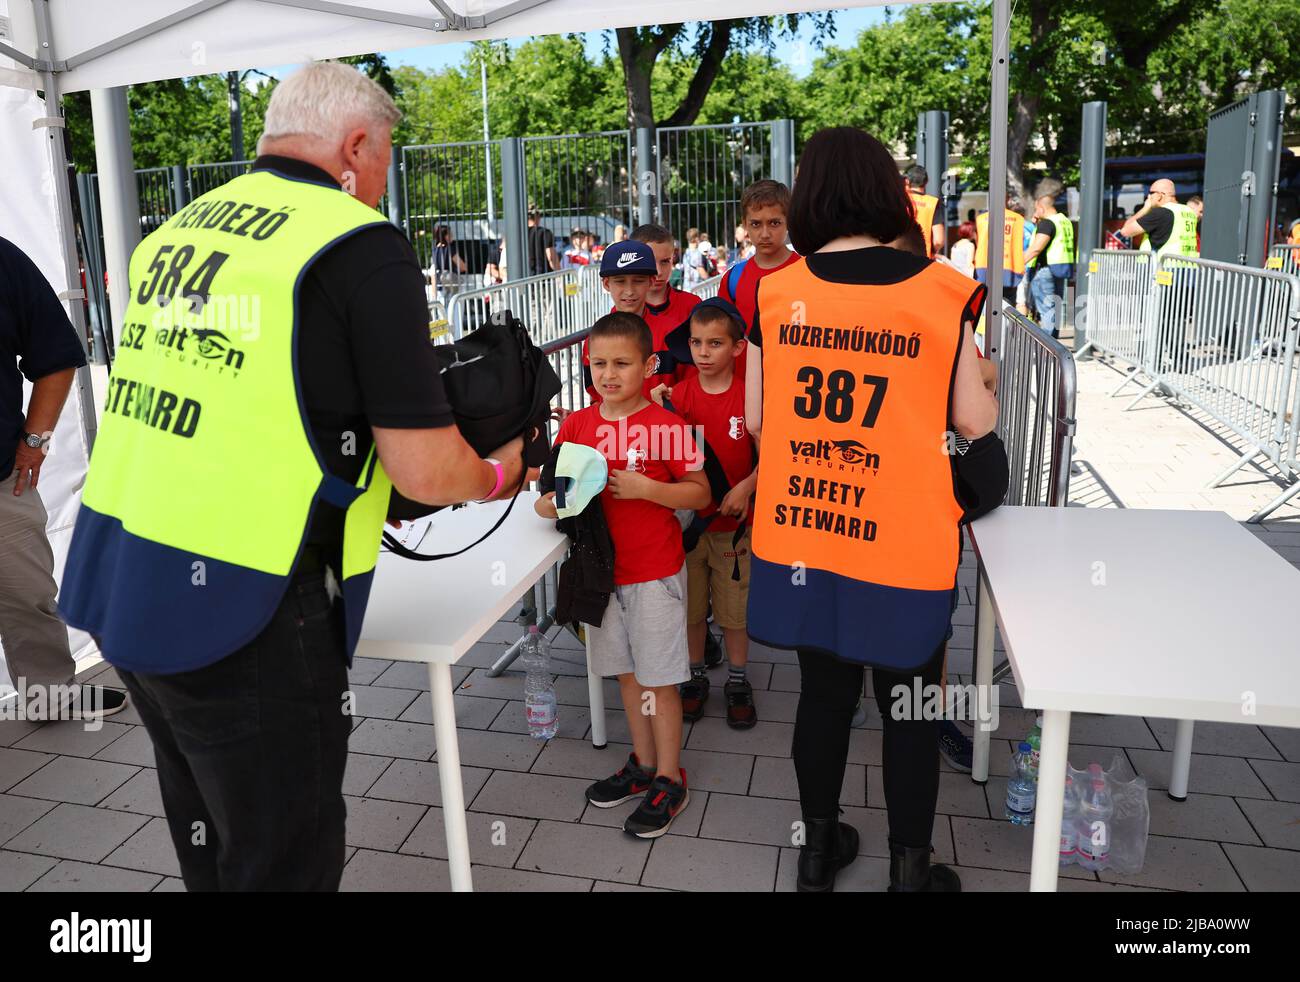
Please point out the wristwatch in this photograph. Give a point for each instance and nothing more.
(34, 441)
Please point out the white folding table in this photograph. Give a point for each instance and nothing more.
(435, 612)
(1182, 615)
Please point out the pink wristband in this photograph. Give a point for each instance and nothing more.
(501, 479)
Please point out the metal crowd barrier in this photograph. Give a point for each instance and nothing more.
(1036, 398)
(1285, 258)
(1117, 305)
(1218, 336)
(552, 305)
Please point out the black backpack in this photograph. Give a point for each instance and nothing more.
(499, 385)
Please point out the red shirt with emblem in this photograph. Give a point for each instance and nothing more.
(672, 313)
(722, 417)
(647, 536)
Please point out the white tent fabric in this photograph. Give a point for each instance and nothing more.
(222, 35)
(29, 220)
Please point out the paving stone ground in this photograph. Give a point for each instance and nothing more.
(81, 811)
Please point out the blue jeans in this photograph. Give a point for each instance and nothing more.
(1048, 292)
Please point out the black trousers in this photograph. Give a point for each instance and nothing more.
(251, 752)
(828, 696)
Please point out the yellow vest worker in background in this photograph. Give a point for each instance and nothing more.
(1050, 257)
(1169, 227)
(231, 518)
(929, 210)
(863, 364)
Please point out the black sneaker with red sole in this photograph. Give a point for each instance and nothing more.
(663, 803)
(632, 781)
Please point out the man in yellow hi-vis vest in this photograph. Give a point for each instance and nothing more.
(1169, 227)
(273, 382)
(1050, 256)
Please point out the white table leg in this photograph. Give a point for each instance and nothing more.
(1181, 766)
(453, 791)
(984, 625)
(1050, 807)
(596, 701)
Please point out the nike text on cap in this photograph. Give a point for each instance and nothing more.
(626, 258)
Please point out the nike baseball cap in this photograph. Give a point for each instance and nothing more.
(580, 475)
(626, 258)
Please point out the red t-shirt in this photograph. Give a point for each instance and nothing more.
(672, 313)
(647, 537)
(746, 299)
(722, 415)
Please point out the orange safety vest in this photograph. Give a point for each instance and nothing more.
(925, 207)
(1295, 235)
(855, 533)
(1013, 247)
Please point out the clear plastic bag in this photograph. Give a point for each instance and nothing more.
(1130, 819)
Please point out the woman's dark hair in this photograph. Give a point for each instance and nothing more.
(442, 235)
(847, 184)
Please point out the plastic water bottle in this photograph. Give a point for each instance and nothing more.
(1070, 824)
(1035, 741)
(1095, 810)
(539, 690)
(1022, 789)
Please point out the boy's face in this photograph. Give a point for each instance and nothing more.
(628, 291)
(766, 227)
(712, 348)
(617, 368)
(664, 260)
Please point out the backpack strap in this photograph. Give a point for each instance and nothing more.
(733, 278)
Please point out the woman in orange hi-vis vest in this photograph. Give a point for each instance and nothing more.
(863, 374)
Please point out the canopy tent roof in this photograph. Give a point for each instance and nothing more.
(99, 45)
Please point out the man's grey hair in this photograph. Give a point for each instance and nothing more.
(323, 101)
(1049, 188)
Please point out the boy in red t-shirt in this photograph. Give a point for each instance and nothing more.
(717, 569)
(654, 469)
(763, 206)
(662, 307)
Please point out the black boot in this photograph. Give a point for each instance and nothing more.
(829, 847)
(910, 871)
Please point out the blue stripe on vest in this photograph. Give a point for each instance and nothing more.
(142, 601)
(888, 627)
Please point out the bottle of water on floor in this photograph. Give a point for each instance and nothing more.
(1070, 824)
(539, 689)
(1022, 789)
(1095, 810)
(1035, 741)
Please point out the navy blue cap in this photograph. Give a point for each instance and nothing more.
(627, 258)
(678, 340)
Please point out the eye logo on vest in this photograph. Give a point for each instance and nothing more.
(844, 455)
(202, 347)
(736, 427)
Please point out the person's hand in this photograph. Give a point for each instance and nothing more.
(735, 503)
(27, 466)
(660, 392)
(1153, 201)
(545, 506)
(560, 414)
(628, 485)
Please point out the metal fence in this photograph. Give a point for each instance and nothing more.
(1036, 396)
(702, 172)
(1285, 258)
(203, 178)
(1218, 336)
(456, 186)
(582, 180)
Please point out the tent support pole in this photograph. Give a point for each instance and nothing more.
(67, 230)
(997, 179)
(119, 199)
